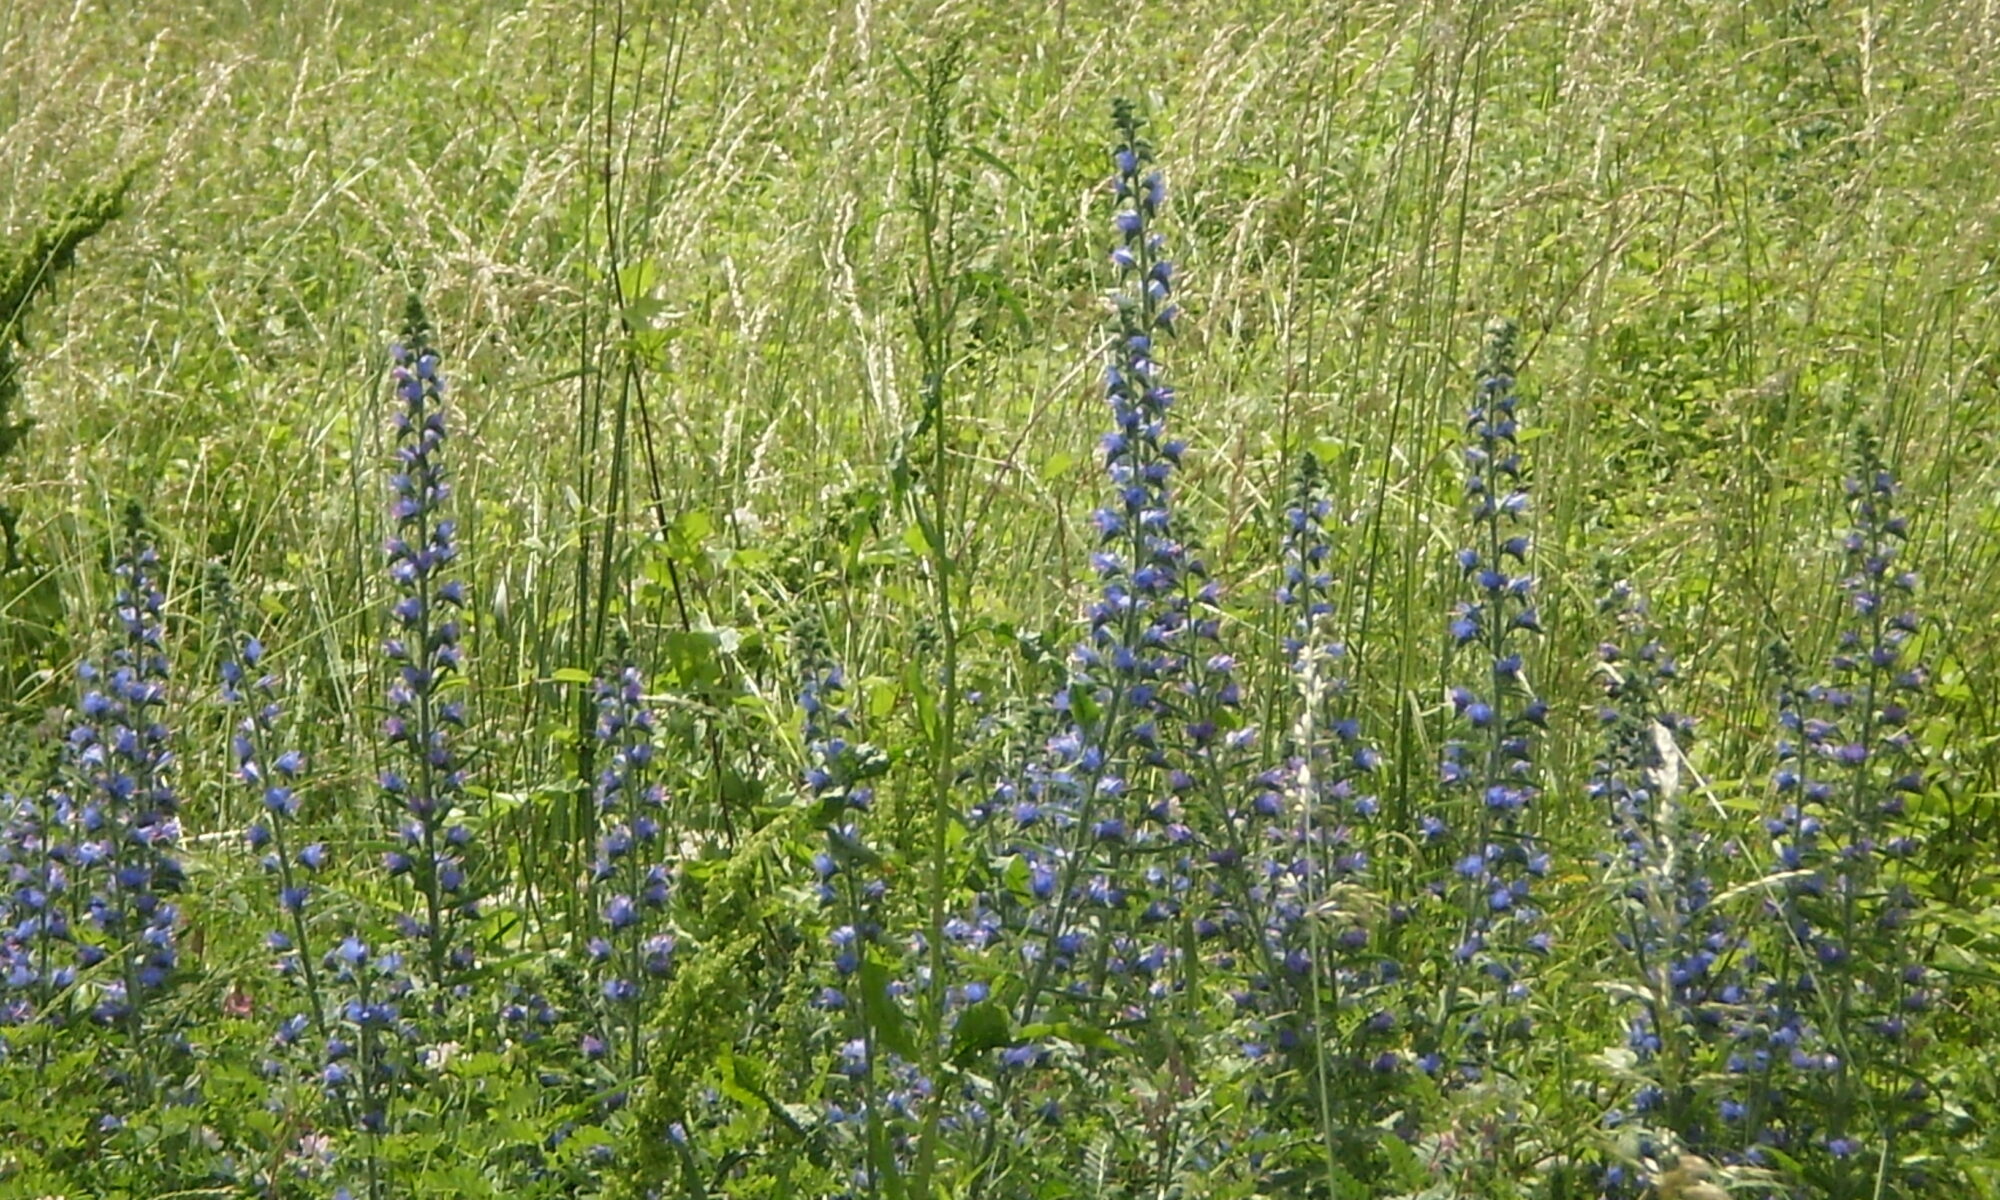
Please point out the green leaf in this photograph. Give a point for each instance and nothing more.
(1091, 1037)
(639, 313)
(1016, 875)
(730, 1084)
(980, 1028)
(1085, 707)
(1404, 1164)
(882, 696)
(636, 280)
(690, 658)
(570, 675)
(880, 1010)
(690, 533)
(1086, 1036)
(986, 156)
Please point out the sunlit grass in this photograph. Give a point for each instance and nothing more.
(670, 254)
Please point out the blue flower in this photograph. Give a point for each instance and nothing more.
(1661, 875)
(631, 871)
(1837, 975)
(117, 815)
(1018, 1057)
(1487, 771)
(427, 656)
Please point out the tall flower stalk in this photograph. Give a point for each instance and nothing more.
(633, 953)
(423, 648)
(272, 777)
(1129, 695)
(1827, 1052)
(369, 1058)
(1683, 955)
(1097, 836)
(39, 912)
(344, 1033)
(878, 1093)
(121, 759)
(1487, 775)
(1323, 919)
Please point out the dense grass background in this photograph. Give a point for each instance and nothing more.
(669, 254)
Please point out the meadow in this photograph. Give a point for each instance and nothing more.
(1217, 599)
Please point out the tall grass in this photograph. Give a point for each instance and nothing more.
(742, 348)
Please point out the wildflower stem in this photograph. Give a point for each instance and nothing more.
(936, 312)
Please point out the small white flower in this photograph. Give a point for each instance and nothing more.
(438, 1056)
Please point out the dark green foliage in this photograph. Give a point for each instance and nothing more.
(26, 272)
(30, 608)
(774, 340)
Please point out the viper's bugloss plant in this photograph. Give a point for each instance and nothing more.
(425, 714)
(1681, 954)
(1113, 782)
(1142, 850)
(1323, 918)
(370, 1054)
(273, 778)
(877, 1095)
(1827, 1048)
(341, 1031)
(128, 830)
(1488, 780)
(1097, 825)
(38, 911)
(632, 954)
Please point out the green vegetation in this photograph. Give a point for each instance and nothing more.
(775, 339)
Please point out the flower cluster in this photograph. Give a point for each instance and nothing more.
(273, 777)
(370, 1048)
(426, 656)
(1150, 691)
(124, 812)
(879, 1094)
(1151, 855)
(88, 919)
(1824, 1053)
(344, 1035)
(38, 956)
(1488, 773)
(1683, 955)
(836, 778)
(634, 950)
(1325, 967)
